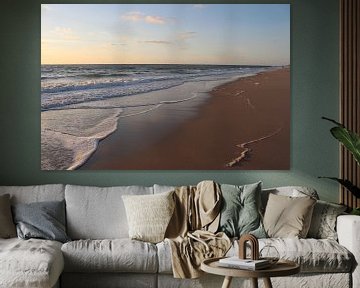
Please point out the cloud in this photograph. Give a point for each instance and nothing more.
(199, 6)
(65, 33)
(157, 42)
(155, 20)
(133, 16)
(186, 35)
(136, 16)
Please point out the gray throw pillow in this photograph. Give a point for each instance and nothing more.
(43, 220)
(240, 213)
(7, 227)
(323, 222)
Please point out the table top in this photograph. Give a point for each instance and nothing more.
(281, 268)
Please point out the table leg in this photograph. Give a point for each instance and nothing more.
(267, 283)
(227, 282)
(254, 282)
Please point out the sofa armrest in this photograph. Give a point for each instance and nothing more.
(348, 230)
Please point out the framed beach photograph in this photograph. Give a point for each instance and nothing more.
(165, 86)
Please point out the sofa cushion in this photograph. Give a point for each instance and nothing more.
(240, 210)
(162, 188)
(36, 193)
(7, 226)
(287, 216)
(43, 220)
(149, 215)
(30, 263)
(323, 222)
(98, 213)
(117, 255)
(313, 255)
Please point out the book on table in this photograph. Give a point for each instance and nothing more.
(236, 262)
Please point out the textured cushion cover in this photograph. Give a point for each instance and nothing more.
(149, 215)
(287, 216)
(44, 220)
(98, 213)
(240, 210)
(7, 227)
(323, 223)
(313, 255)
(117, 255)
(32, 263)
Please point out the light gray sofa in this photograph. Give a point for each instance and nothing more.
(101, 255)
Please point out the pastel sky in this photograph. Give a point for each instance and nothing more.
(255, 34)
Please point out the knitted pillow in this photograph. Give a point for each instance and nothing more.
(149, 215)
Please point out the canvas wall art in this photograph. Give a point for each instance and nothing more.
(165, 86)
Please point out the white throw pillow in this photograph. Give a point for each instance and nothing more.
(149, 215)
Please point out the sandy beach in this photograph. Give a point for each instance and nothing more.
(244, 124)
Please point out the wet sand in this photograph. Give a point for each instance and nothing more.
(244, 125)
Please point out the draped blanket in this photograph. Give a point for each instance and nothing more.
(191, 231)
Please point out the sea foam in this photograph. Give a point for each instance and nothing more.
(68, 139)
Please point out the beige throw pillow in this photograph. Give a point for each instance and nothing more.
(149, 215)
(7, 226)
(288, 217)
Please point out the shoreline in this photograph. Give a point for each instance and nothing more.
(235, 113)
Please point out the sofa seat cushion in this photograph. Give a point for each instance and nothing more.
(30, 263)
(115, 255)
(313, 255)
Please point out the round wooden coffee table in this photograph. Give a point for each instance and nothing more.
(281, 268)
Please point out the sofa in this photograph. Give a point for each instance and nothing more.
(100, 253)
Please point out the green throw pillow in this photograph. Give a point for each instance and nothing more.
(240, 213)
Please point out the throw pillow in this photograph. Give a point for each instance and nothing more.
(149, 215)
(240, 213)
(43, 220)
(323, 222)
(7, 227)
(288, 217)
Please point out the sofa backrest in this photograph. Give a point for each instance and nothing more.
(163, 188)
(36, 193)
(98, 213)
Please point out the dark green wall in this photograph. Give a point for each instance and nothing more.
(314, 61)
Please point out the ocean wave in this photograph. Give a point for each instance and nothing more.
(56, 100)
(74, 137)
(63, 85)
